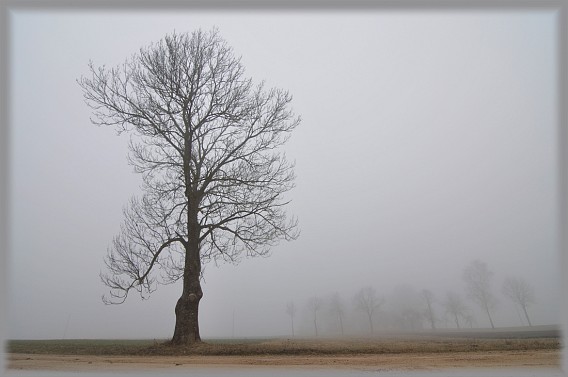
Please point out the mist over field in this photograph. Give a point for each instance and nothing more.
(428, 141)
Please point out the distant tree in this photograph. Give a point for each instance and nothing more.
(477, 278)
(314, 305)
(428, 298)
(405, 304)
(206, 142)
(520, 292)
(469, 319)
(291, 311)
(337, 308)
(455, 307)
(367, 301)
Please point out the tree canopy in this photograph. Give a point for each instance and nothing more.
(207, 143)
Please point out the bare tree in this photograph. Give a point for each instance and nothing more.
(367, 301)
(477, 278)
(337, 308)
(404, 302)
(314, 305)
(455, 307)
(520, 292)
(428, 298)
(291, 311)
(206, 142)
(469, 319)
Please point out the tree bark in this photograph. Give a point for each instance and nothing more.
(187, 308)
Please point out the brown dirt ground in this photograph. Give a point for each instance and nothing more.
(397, 361)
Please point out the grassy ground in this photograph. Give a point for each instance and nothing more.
(79, 346)
(247, 347)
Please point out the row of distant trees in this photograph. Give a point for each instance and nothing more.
(478, 282)
(413, 310)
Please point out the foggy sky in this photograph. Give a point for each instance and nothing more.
(427, 140)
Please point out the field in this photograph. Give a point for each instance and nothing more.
(538, 348)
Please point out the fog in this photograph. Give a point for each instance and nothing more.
(428, 140)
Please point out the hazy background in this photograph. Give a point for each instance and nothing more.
(428, 140)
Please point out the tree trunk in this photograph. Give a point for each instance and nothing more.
(316, 326)
(187, 308)
(292, 326)
(370, 321)
(431, 316)
(526, 315)
(489, 315)
(187, 323)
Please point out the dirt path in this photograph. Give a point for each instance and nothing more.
(407, 361)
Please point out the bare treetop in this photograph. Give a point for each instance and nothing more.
(456, 308)
(314, 305)
(206, 141)
(428, 298)
(337, 307)
(477, 278)
(367, 301)
(520, 292)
